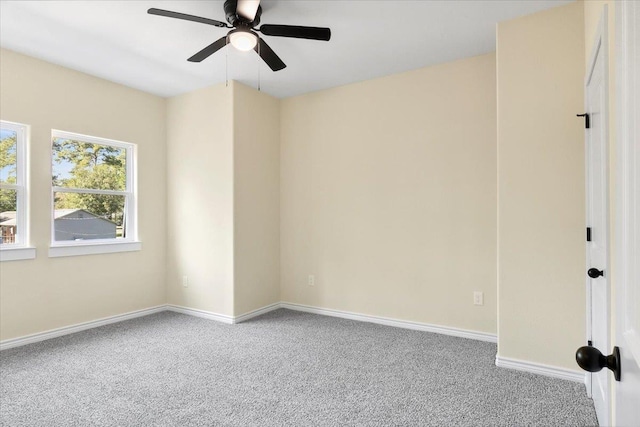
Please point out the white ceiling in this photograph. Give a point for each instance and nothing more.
(119, 41)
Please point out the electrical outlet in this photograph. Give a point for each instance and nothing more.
(312, 280)
(185, 281)
(478, 298)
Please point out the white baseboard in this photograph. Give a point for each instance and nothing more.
(66, 330)
(503, 362)
(201, 313)
(223, 317)
(54, 333)
(541, 369)
(71, 329)
(256, 313)
(406, 324)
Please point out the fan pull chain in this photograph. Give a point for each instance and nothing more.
(258, 62)
(226, 66)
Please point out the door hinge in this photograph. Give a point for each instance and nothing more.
(588, 234)
(587, 122)
(590, 343)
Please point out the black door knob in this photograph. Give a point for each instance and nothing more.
(594, 273)
(590, 359)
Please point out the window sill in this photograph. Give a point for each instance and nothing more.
(93, 249)
(17, 254)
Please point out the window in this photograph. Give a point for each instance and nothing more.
(93, 195)
(14, 237)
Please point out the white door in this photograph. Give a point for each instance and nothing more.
(627, 390)
(597, 159)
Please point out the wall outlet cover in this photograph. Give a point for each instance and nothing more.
(478, 298)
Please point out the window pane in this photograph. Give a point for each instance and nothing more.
(8, 144)
(80, 216)
(8, 226)
(78, 164)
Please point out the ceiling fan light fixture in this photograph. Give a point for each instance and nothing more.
(243, 40)
(243, 16)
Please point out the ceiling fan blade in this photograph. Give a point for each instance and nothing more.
(248, 9)
(269, 56)
(313, 33)
(178, 15)
(209, 50)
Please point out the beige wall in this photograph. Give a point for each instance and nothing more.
(200, 199)
(223, 199)
(47, 293)
(541, 249)
(388, 196)
(256, 159)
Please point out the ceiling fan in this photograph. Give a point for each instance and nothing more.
(243, 16)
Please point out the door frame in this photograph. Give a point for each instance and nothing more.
(628, 131)
(600, 47)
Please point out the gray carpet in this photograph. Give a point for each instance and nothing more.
(282, 369)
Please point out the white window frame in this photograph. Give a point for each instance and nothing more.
(21, 249)
(100, 246)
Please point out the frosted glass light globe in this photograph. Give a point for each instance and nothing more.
(243, 40)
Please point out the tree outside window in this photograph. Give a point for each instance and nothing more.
(12, 185)
(92, 183)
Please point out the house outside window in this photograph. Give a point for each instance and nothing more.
(14, 229)
(94, 200)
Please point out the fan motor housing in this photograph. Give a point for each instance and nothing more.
(231, 12)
